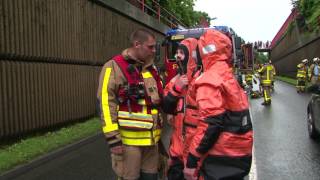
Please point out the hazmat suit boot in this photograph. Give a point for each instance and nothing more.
(175, 171)
(148, 176)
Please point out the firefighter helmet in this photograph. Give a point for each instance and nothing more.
(305, 61)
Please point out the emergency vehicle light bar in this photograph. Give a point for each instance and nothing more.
(174, 32)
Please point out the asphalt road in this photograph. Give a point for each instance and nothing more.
(283, 149)
(87, 160)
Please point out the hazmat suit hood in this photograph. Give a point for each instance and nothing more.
(190, 45)
(214, 46)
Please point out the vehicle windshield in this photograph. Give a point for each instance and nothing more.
(171, 50)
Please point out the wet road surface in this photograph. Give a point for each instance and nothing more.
(89, 161)
(283, 149)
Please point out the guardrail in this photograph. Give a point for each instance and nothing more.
(154, 9)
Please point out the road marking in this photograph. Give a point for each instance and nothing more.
(253, 174)
(253, 170)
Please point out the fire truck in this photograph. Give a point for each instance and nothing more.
(174, 36)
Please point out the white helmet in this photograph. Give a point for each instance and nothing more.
(305, 61)
(315, 59)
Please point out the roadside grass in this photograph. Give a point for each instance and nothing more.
(290, 80)
(30, 148)
(287, 80)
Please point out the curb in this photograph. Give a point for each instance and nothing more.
(21, 169)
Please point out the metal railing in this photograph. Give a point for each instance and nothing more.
(154, 9)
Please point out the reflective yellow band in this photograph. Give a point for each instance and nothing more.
(109, 126)
(139, 134)
(135, 124)
(266, 96)
(141, 142)
(142, 102)
(154, 111)
(140, 138)
(266, 81)
(138, 116)
(146, 75)
(145, 109)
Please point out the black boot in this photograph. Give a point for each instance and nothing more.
(175, 171)
(148, 176)
(268, 103)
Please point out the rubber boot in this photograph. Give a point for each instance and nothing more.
(148, 176)
(268, 103)
(175, 171)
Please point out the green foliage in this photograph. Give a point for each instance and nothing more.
(183, 9)
(290, 28)
(295, 3)
(310, 10)
(32, 147)
(314, 20)
(261, 58)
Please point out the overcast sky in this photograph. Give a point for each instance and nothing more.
(251, 19)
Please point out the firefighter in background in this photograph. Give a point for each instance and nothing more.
(247, 81)
(266, 77)
(176, 102)
(302, 75)
(129, 95)
(315, 72)
(313, 62)
(273, 74)
(248, 78)
(223, 134)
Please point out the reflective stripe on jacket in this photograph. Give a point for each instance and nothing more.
(302, 71)
(131, 121)
(248, 77)
(267, 72)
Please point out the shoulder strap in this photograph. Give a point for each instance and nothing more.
(128, 72)
(156, 76)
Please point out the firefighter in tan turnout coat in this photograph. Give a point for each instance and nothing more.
(129, 95)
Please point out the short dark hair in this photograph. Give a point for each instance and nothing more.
(141, 35)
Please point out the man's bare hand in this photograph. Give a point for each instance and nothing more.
(117, 150)
(181, 83)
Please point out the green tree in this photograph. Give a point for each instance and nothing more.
(310, 11)
(261, 57)
(295, 3)
(183, 10)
